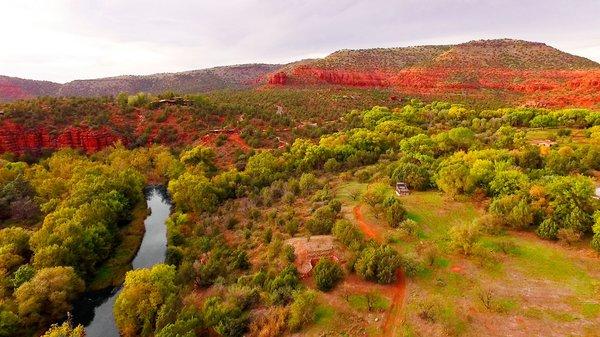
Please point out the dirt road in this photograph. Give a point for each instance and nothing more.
(393, 319)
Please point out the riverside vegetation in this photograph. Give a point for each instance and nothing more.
(500, 196)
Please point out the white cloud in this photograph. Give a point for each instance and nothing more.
(63, 40)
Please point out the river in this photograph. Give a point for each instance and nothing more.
(95, 310)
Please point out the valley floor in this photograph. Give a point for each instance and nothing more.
(524, 286)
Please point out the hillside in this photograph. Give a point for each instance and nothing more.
(503, 53)
(12, 88)
(507, 71)
(229, 77)
(512, 71)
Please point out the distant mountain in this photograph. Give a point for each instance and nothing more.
(228, 77)
(12, 88)
(513, 71)
(509, 70)
(503, 53)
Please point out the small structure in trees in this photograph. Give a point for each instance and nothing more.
(402, 189)
(309, 250)
(544, 143)
(173, 101)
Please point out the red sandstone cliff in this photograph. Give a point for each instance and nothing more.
(16, 139)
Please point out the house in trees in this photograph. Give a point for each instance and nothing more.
(544, 143)
(402, 189)
(172, 101)
(309, 250)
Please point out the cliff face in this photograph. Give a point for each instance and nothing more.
(16, 139)
(279, 78)
(551, 88)
(518, 71)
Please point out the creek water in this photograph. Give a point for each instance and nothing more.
(95, 310)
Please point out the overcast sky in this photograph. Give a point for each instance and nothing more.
(62, 40)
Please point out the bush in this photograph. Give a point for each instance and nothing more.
(308, 183)
(464, 237)
(568, 236)
(378, 264)
(596, 230)
(302, 310)
(409, 226)
(411, 265)
(327, 274)
(322, 221)
(395, 214)
(490, 224)
(347, 233)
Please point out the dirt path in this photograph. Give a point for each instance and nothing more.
(393, 319)
(235, 137)
(364, 226)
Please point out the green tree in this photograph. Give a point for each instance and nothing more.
(327, 274)
(508, 182)
(200, 156)
(193, 192)
(144, 293)
(378, 264)
(47, 296)
(347, 233)
(395, 213)
(10, 324)
(596, 230)
(302, 310)
(322, 221)
(22, 275)
(65, 330)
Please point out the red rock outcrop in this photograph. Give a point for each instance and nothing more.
(16, 139)
(10, 91)
(556, 88)
(279, 78)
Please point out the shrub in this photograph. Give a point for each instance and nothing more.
(596, 230)
(568, 236)
(490, 224)
(409, 226)
(327, 274)
(411, 265)
(308, 183)
(378, 264)
(322, 221)
(272, 324)
(302, 310)
(395, 214)
(348, 234)
(464, 237)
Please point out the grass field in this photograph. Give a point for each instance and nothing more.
(520, 285)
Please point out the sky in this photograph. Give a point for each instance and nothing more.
(63, 40)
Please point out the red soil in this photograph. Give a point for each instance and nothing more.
(279, 78)
(364, 226)
(236, 138)
(399, 288)
(550, 88)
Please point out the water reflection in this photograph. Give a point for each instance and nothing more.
(95, 310)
